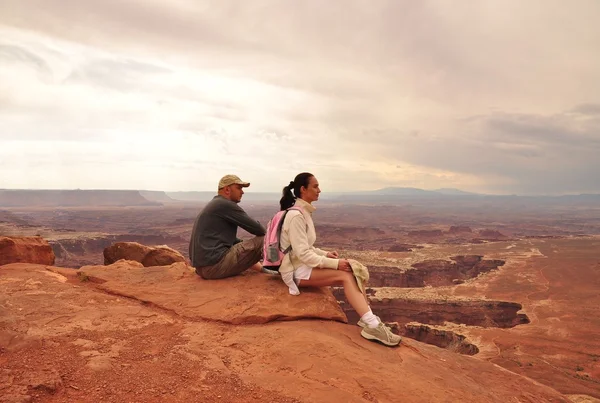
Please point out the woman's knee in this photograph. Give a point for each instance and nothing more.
(346, 277)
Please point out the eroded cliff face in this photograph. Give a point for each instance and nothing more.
(475, 313)
(404, 309)
(25, 249)
(433, 272)
(394, 295)
(440, 337)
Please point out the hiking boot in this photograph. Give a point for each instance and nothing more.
(363, 324)
(382, 334)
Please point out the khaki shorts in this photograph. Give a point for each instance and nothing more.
(239, 258)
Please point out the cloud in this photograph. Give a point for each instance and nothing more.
(455, 95)
(121, 75)
(12, 53)
(587, 109)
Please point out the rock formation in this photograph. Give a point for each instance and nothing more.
(32, 249)
(491, 234)
(437, 272)
(162, 256)
(165, 334)
(148, 256)
(440, 337)
(248, 298)
(458, 229)
(403, 306)
(77, 197)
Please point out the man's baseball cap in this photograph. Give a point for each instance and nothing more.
(232, 180)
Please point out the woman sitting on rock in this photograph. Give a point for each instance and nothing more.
(307, 266)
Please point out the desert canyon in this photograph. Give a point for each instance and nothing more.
(497, 300)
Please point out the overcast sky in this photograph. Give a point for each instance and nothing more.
(487, 96)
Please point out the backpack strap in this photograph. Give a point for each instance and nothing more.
(280, 226)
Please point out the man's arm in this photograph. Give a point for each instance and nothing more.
(236, 215)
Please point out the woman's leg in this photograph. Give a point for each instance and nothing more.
(327, 277)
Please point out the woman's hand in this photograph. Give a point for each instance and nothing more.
(333, 254)
(344, 265)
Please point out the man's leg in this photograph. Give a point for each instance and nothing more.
(239, 258)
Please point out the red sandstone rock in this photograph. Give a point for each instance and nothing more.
(111, 348)
(32, 249)
(122, 263)
(146, 255)
(162, 256)
(467, 260)
(248, 298)
(440, 337)
(125, 250)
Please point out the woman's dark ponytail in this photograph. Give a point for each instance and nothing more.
(288, 198)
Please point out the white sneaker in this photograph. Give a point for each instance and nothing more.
(382, 334)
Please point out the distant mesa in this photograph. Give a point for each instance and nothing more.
(146, 255)
(31, 249)
(157, 196)
(491, 234)
(454, 192)
(69, 198)
(404, 191)
(206, 196)
(458, 229)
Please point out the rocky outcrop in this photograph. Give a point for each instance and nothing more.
(146, 255)
(162, 256)
(33, 249)
(93, 345)
(440, 337)
(248, 298)
(125, 250)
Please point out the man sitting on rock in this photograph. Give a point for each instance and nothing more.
(215, 250)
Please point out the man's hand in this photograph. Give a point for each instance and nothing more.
(333, 254)
(344, 265)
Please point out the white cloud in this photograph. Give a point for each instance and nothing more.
(482, 96)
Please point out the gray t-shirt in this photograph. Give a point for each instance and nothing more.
(215, 231)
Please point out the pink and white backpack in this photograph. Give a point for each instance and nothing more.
(272, 253)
